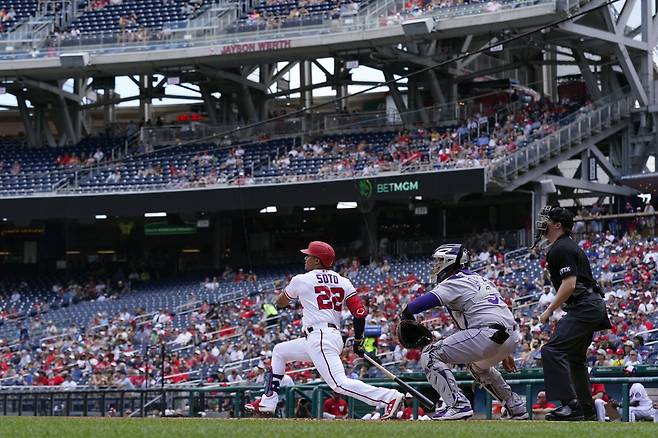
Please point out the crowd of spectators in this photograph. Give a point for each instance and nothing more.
(231, 342)
(274, 13)
(482, 139)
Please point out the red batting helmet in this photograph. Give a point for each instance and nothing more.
(321, 250)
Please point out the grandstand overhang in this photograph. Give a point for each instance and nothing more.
(445, 184)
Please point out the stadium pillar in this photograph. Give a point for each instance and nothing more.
(110, 108)
(209, 102)
(27, 119)
(397, 97)
(305, 79)
(550, 73)
(145, 108)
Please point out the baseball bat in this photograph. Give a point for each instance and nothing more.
(426, 402)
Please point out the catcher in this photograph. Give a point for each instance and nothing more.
(487, 334)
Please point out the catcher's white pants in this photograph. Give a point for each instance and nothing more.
(636, 413)
(323, 347)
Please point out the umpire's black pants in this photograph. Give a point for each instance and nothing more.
(564, 356)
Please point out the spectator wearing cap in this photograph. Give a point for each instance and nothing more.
(618, 359)
(542, 406)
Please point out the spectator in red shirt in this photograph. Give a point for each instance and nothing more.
(543, 406)
(335, 407)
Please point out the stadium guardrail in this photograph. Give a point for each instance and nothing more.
(605, 113)
(213, 400)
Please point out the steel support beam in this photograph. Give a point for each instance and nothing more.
(586, 72)
(624, 15)
(397, 97)
(27, 120)
(591, 32)
(608, 189)
(209, 103)
(631, 74)
(604, 162)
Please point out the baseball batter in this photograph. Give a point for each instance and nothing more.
(487, 334)
(322, 294)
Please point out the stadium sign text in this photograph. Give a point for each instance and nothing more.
(260, 46)
(393, 187)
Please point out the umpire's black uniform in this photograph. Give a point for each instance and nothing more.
(564, 356)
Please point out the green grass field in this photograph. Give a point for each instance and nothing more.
(38, 427)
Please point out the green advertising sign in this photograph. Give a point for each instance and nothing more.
(164, 229)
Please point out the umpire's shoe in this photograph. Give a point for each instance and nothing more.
(571, 411)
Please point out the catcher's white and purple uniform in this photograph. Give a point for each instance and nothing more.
(487, 334)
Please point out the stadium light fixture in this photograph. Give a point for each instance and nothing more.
(4, 219)
(191, 251)
(106, 251)
(101, 216)
(418, 198)
(345, 205)
(309, 208)
(270, 209)
(156, 214)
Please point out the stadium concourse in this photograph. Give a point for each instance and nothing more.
(221, 330)
(484, 138)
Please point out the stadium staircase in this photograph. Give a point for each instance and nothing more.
(608, 116)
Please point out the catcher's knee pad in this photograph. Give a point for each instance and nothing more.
(431, 354)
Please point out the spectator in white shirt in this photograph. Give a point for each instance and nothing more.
(68, 384)
(547, 297)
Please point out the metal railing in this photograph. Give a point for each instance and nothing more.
(606, 113)
(195, 401)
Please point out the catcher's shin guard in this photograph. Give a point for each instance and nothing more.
(440, 377)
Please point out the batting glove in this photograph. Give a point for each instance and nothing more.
(358, 347)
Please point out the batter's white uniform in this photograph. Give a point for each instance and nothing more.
(322, 294)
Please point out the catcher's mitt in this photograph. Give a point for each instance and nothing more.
(413, 334)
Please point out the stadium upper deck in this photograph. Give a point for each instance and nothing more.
(206, 40)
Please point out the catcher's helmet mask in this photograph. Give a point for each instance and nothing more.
(446, 260)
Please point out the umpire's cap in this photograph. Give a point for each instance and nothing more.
(563, 216)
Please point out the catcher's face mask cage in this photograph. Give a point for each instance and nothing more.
(446, 259)
(542, 224)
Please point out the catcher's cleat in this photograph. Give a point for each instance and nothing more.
(256, 407)
(454, 413)
(506, 414)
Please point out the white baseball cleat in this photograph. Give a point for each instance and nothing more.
(393, 406)
(454, 413)
(257, 407)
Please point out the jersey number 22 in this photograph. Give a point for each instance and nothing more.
(330, 298)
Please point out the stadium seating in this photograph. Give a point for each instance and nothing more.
(152, 14)
(36, 170)
(473, 143)
(269, 15)
(19, 9)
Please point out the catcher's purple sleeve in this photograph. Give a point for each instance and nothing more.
(423, 303)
